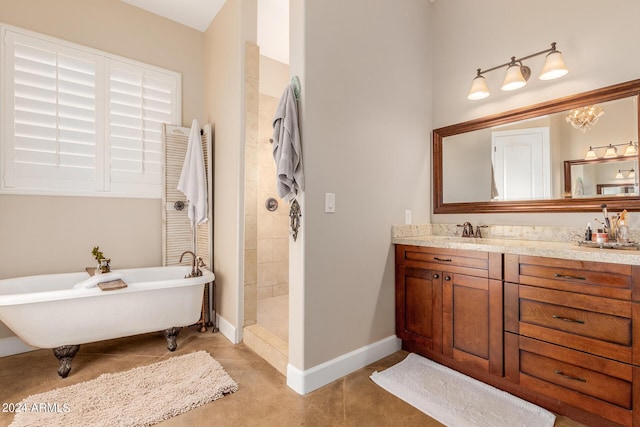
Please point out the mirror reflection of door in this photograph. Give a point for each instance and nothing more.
(521, 164)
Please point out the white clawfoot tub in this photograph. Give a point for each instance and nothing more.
(62, 311)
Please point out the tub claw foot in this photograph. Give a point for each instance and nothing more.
(65, 355)
(171, 335)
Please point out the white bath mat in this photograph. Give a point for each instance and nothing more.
(457, 400)
(139, 397)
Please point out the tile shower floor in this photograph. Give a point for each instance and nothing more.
(273, 315)
(263, 398)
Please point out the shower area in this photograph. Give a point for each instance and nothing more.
(266, 255)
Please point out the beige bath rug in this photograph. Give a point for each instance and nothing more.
(457, 400)
(139, 397)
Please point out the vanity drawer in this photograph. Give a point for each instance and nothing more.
(602, 326)
(473, 263)
(577, 378)
(594, 278)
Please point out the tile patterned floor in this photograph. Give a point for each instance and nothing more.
(263, 398)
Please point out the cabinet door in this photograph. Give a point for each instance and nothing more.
(419, 309)
(472, 321)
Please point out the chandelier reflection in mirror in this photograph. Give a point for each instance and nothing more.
(584, 117)
(518, 74)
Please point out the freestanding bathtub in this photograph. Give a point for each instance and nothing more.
(62, 311)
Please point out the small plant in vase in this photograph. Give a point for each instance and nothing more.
(103, 263)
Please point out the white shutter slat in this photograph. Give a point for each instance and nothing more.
(126, 155)
(35, 92)
(45, 173)
(80, 114)
(75, 161)
(34, 105)
(44, 158)
(35, 144)
(79, 150)
(33, 70)
(75, 136)
(29, 119)
(35, 131)
(127, 122)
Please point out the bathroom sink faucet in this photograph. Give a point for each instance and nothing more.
(196, 263)
(467, 229)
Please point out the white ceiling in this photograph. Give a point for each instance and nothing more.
(273, 20)
(196, 14)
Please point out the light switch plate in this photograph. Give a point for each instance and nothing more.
(329, 202)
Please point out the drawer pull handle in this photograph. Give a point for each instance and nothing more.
(441, 259)
(567, 319)
(436, 276)
(566, 276)
(570, 377)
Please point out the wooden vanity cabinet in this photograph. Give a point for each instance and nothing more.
(449, 306)
(571, 334)
(563, 334)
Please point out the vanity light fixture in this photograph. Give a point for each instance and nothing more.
(518, 73)
(612, 151)
(591, 154)
(630, 175)
(632, 149)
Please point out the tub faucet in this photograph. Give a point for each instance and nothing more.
(196, 263)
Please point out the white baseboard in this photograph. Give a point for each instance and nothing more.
(13, 345)
(303, 382)
(227, 329)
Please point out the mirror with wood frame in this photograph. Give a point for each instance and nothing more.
(516, 161)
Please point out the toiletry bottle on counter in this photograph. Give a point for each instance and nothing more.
(587, 233)
(623, 233)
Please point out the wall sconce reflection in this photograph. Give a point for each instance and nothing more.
(630, 175)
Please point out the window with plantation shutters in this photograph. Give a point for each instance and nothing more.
(140, 101)
(79, 121)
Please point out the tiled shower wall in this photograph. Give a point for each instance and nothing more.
(273, 227)
(252, 76)
(266, 254)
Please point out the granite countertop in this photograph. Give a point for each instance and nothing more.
(554, 249)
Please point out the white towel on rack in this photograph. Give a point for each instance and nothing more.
(287, 148)
(193, 179)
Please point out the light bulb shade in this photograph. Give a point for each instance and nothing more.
(591, 154)
(611, 151)
(554, 66)
(631, 150)
(479, 89)
(514, 79)
(632, 174)
(619, 175)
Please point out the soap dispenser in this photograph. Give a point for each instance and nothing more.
(587, 233)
